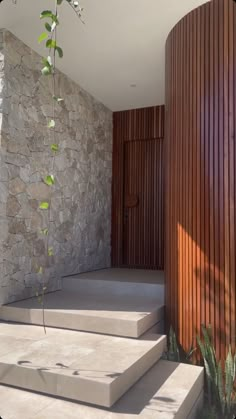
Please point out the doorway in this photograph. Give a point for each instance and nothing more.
(143, 204)
(137, 189)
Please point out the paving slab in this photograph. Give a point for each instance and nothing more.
(167, 391)
(92, 368)
(116, 308)
(145, 276)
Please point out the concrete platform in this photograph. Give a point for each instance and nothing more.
(118, 308)
(85, 367)
(145, 276)
(167, 391)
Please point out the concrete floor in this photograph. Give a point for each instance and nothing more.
(125, 275)
(167, 391)
(91, 302)
(80, 366)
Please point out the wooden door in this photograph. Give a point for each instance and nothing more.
(143, 204)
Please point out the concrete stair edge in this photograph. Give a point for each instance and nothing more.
(30, 363)
(133, 328)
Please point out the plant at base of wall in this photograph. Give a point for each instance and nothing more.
(220, 395)
(174, 353)
(221, 382)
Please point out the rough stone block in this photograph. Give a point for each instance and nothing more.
(82, 168)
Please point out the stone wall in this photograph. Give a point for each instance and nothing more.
(80, 214)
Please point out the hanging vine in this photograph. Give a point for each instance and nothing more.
(49, 36)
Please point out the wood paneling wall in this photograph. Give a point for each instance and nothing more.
(143, 224)
(200, 158)
(133, 125)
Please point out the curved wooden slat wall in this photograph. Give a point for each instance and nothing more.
(200, 185)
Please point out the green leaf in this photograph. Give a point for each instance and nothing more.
(51, 124)
(42, 37)
(59, 2)
(55, 19)
(46, 71)
(190, 352)
(51, 43)
(48, 27)
(48, 67)
(220, 386)
(47, 61)
(44, 231)
(54, 24)
(54, 147)
(46, 13)
(44, 205)
(49, 180)
(58, 99)
(50, 15)
(173, 350)
(59, 51)
(229, 379)
(50, 251)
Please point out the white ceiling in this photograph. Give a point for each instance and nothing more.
(122, 43)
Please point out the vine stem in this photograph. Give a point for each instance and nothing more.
(54, 37)
(77, 14)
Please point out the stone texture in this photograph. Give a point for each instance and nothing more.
(80, 210)
(16, 186)
(13, 206)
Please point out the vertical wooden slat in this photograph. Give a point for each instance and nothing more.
(216, 173)
(143, 227)
(226, 167)
(221, 333)
(211, 167)
(138, 125)
(200, 173)
(200, 270)
(231, 176)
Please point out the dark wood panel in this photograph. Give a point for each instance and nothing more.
(200, 178)
(143, 221)
(134, 125)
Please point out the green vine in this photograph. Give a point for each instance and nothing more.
(49, 36)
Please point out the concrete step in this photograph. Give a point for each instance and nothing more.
(107, 307)
(167, 391)
(84, 367)
(89, 284)
(123, 275)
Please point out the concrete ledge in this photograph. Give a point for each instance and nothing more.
(147, 399)
(197, 406)
(88, 285)
(102, 309)
(85, 367)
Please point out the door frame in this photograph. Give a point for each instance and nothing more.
(161, 211)
(136, 124)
